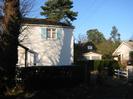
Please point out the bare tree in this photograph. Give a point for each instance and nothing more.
(26, 7)
(82, 38)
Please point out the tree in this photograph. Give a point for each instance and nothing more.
(106, 48)
(25, 7)
(9, 38)
(115, 36)
(59, 10)
(82, 38)
(95, 36)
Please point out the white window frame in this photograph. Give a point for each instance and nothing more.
(51, 33)
(89, 47)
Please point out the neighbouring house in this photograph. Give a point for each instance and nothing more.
(121, 54)
(92, 56)
(45, 42)
(86, 51)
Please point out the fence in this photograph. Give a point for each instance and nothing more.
(121, 73)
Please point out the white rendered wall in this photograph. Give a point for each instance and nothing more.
(50, 52)
(124, 52)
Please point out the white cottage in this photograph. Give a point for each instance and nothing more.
(45, 43)
(122, 52)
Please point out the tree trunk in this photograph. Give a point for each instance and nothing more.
(9, 38)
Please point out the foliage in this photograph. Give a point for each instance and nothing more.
(15, 91)
(95, 36)
(115, 36)
(110, 65)
(106, 48)
(59, 10)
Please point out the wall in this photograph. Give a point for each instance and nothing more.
(50, 52)
(124, 52)
(93, 56)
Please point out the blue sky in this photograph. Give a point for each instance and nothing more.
(100, 14)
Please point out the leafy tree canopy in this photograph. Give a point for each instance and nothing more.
(106, 48)
(95, 36)
(59, 10)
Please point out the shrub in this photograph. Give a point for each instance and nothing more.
(50, 76)
(110, 65)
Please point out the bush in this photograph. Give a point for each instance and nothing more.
(50, 76)
(110, 65)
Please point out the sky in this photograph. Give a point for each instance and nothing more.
(101, 15)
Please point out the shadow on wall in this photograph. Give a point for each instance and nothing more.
(52, 52)
(58, 52)
(66, 52)
(49, 56)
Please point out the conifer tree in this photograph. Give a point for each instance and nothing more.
(59, 10)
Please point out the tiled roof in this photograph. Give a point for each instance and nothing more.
(130, 43)
(42, 21)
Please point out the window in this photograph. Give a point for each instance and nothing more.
(89, 47)
(51, 33)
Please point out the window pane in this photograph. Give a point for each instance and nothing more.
(48, 33)
(89, 47)
(53, 33)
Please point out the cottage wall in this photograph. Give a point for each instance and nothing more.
(49, 51)
(124, 52)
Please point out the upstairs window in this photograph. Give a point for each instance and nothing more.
(51, 33)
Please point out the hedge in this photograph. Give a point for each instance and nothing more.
(50, 76)
(62, 76)
(99, 65)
